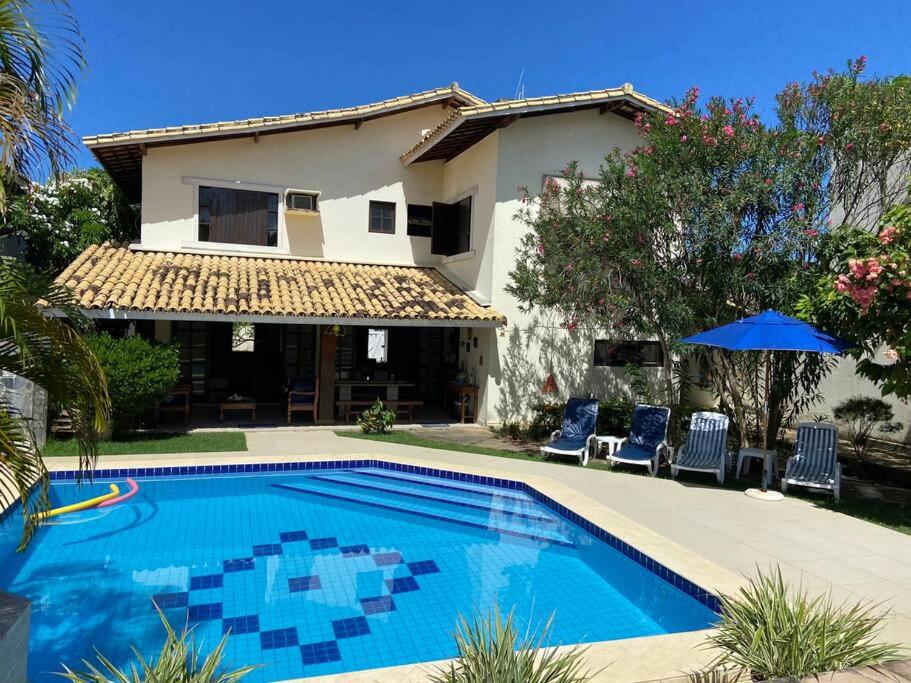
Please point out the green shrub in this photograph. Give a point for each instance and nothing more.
(180, 661)
(862, 414)
(491, 651)
(140, 374)
(376, 419)
(773, 632)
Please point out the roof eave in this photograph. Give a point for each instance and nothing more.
(434, 137)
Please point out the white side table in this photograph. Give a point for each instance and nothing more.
(612, 443)
(769, 458)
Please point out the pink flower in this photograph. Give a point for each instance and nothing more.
(683, 138)
(858, 268)
(671, 120)
(709, 140)
(631, 172)
(887, 234)
(540, 249)
(842, 283)
(635, 262)
(728, 130)
(797, 207)
(849, 146)
(767, 181)
(874, 268)
(891, 354)
(811, 232)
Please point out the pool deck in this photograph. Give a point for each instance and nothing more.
(710, 535)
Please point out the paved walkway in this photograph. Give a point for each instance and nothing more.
(821, 549)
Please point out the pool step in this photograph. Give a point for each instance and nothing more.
(511, 507)
(497, 523)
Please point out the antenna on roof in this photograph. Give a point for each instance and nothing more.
(520, 87)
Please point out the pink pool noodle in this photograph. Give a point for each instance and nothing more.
(134, 489)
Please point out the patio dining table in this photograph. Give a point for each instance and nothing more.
(390, 387)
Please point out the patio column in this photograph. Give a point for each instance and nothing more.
(327, 343)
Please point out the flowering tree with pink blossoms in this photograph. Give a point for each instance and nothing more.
(867, 297)
(712, 217)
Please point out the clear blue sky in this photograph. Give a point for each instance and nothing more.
(167, 62)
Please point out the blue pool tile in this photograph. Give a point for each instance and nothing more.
(240, 625)
(423, 567)
(267, 549)
(198, 583)
(402, 584)
(385, 559)
(354, 550)
(204, 612)
(169, 600)
(378, 605)
(279, 638)
(350, 628)
(304, 583)
(240, 565)
(290, 536)
(323, 543)
(320, 653)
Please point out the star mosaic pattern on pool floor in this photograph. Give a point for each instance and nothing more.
(383, 573)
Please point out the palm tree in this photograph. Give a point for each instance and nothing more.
(41, 57)
(39, 344)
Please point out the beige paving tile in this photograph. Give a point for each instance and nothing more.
(840, 573)
(882, 566)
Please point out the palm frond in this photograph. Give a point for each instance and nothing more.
(41, 60)
(50, 352)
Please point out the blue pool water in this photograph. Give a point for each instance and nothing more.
(322, 571)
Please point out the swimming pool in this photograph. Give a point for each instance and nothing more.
(326, 567)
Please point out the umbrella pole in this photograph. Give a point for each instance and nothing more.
(765, 418)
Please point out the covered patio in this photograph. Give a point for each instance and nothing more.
(281, 341)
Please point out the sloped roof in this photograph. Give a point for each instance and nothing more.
(116, 277)
(121, 153)
(471, 123)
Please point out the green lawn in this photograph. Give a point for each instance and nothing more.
(157, 442)
(897, 517)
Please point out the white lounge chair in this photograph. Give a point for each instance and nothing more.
(647, 439)
(705, 449)
(815, 460)
(580, 418)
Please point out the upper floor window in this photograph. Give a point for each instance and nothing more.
(642, 353)
(382, 217)
(451, 232)
(238, 216)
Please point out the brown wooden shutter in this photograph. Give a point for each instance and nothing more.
(444, 232)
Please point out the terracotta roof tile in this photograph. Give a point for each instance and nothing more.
(116, 277)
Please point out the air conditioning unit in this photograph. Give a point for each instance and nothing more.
(302, 201)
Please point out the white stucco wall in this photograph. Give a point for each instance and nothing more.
(519, 358)
(474, 172)
(349, 167)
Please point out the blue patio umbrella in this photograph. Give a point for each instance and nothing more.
(769, 331)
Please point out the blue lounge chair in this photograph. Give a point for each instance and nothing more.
(647, 439)
(815, 460)
(578, 433)
(705, 449)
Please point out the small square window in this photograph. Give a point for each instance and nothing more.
(617, 354)
(378, 345)
(382, 217)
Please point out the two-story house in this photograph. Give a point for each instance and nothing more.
(368, 247)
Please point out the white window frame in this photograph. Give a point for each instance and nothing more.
(281, 247)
